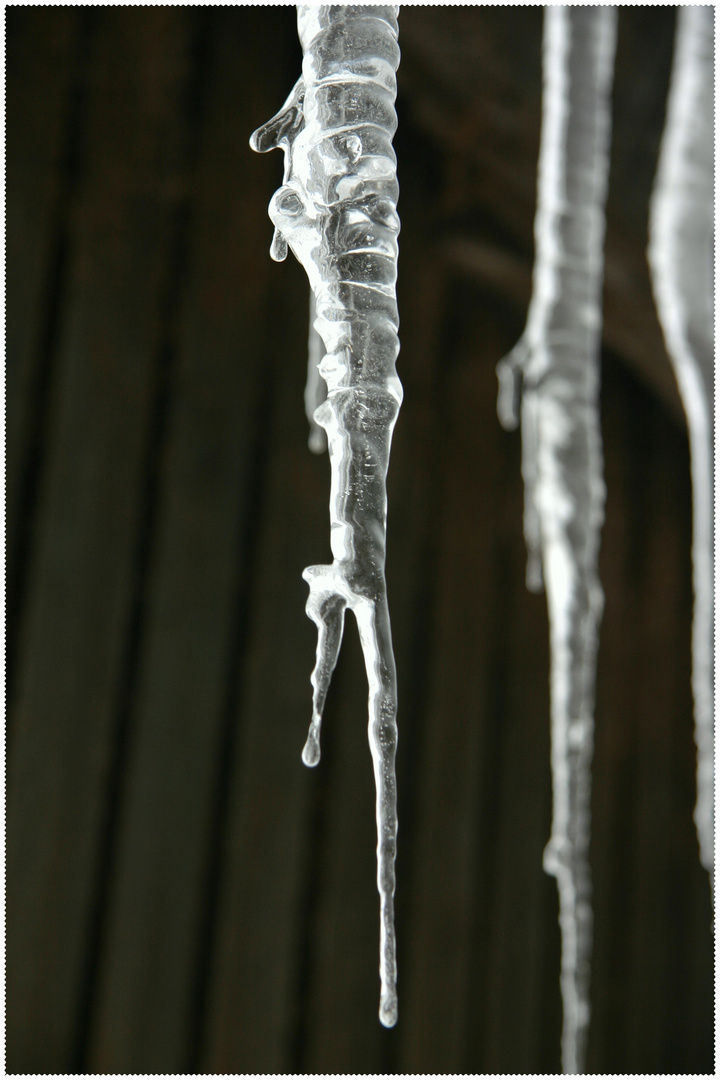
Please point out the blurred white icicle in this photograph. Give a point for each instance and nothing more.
(552, 375)
(337, 212)
(681, 263)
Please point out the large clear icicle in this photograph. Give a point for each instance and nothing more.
(681, 262)
(337, 212)
(552, 378)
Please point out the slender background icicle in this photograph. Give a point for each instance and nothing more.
(337, 211)
(554, 371)
(681, 263)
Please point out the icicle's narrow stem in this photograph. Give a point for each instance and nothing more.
(337, 212)
(681, 263)
(553, 375)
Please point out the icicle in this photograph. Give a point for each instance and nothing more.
(552, 378)
(337, 212)
(681, 263)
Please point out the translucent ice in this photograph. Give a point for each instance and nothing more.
(552, 378)
(337, 212)
(315, 388)
(681, 263)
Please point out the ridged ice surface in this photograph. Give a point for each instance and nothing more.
(681, 262)
(336, 211)
(552, 379)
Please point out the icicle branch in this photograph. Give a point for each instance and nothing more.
(337, 212)
(552, 379)
(681, 263)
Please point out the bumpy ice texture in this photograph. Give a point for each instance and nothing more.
(336, 210)
(552, 378)
(681, 263)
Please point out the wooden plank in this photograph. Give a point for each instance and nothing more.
(81, 589)
(251, 1013)
(642, 68)
(516, 941)
(644, 852)
(615, 737)
(665, 845)
(473, 76)
(458, 732)
(663, 699)
(42, 110)
(201, 571)
(690, 1016)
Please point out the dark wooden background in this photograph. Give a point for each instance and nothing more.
(183, 895)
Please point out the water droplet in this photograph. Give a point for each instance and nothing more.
(278, 248)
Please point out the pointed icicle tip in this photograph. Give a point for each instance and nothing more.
(284, 126)
(388, 1010)
(311, 750)
(311, 753)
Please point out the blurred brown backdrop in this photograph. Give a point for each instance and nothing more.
(183, 895)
